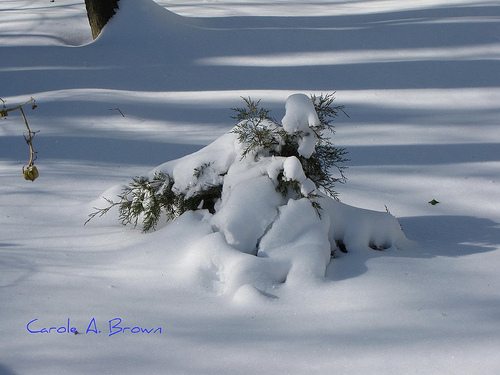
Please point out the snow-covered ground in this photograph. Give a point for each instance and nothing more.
(421, 84)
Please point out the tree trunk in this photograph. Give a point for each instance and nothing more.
(99, 13)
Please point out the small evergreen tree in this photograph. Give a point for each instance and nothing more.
(261, 135)
(146, 200)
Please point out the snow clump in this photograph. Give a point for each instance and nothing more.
(272, 225)
(300, 116)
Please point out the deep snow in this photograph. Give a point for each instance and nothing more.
(421, 85)
(260, 237)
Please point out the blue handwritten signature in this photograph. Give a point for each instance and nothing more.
(113, 327)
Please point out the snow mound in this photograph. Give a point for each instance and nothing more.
(257, 238)
(146, 24)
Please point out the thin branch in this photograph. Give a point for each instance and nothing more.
(99, 212)
(30, 171)
(29, 139)
(117, 109)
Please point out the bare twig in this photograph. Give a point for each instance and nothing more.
(117, 109)
(30, 171)
(29, 139)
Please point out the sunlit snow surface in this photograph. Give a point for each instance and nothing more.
(421, 84)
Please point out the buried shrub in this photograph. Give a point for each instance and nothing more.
(146, 200)
(302, 141)
(262, 136)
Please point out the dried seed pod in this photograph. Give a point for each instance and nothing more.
(30, 172)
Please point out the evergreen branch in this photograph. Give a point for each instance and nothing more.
(148, 199)
(259, 135)
(99, 212)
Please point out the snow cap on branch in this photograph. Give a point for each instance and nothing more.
(292, 169)
(300, 116)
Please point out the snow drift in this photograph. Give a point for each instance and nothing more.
(256, 237)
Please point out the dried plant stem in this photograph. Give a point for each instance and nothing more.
(29, 139)
(30, 171)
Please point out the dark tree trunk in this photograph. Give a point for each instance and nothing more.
(99, 13)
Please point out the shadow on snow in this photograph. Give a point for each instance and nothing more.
(438, 236)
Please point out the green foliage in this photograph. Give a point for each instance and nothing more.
(256, 130)
(288, 187)
(327, 157)
(201, 170)
(326, 110)
(320, 165)
(262, 136)
(146, 200)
